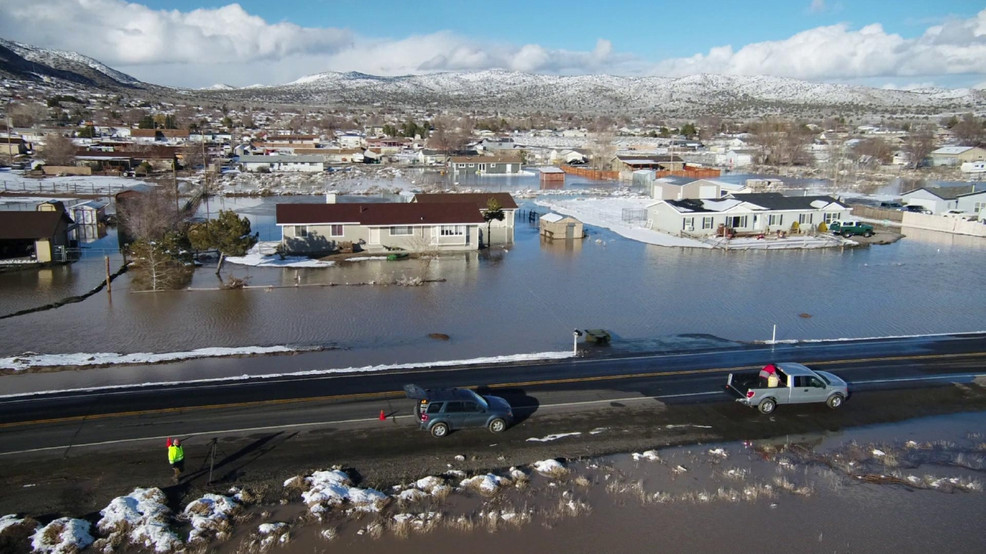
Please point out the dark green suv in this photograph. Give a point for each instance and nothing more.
(851, 228)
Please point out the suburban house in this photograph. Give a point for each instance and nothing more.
(485, 165)
(628, 163)
(378, 227)
(744, 213)
(972, 203)
(305, 164)
(941, 199)
(34, 237)
(501, 232)
(957, 155)
(146, 136)
(561, 227)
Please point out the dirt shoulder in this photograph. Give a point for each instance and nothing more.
(79, 482)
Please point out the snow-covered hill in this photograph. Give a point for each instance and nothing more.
(504, 91)
(22, 61)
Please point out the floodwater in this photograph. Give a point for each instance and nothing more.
(523, 299)
(851, 491)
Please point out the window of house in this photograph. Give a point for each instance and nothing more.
(687, 223)
(830, 217)
(401, 230)
(805, 218)
(301, 231)
(335, 231)
(460, 165)
(978, 207)
(775, 219)
(736, 222)
(452, 230)
(707, 222)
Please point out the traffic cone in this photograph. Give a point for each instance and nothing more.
(383, 416)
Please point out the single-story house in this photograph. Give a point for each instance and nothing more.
(626, 164)
(744, 213)
(973, 203)
(561, 227)
(485, 165)
(735, 158)
(501, 232)
(938, 199)
(957, 155)
(34, 237)
(305, 164)
(379, 227)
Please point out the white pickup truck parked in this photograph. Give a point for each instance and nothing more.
(795, 384)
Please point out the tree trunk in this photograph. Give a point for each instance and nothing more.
(219, 266)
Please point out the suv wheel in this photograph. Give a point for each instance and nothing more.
(439, 430)
(497, 425)
(847, 234)
(834, 401)
(767, 405)
(868, 234)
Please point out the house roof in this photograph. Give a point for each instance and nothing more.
(19, 225)
(945, 193)
(777, 201)
(379, 213)
(309, 159)
(502, 159)
(951, 150)
(478, 199)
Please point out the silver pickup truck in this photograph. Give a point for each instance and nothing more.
(796, 384)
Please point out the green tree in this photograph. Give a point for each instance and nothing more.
(86, 131)
(688, 129)
(162, 264)
(228, 233)
(493, 211)
(146, 122)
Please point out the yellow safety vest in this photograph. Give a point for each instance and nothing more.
(175, 454)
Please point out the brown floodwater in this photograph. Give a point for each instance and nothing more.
(907, 487)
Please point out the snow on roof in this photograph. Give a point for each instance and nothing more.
(552, 218)
(947, 150)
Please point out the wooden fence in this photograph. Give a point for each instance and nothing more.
(594, 174)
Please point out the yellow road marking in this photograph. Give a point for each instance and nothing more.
(398, 394)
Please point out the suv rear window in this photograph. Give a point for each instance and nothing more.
(434, 408)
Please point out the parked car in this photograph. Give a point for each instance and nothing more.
(914, 208)
(891, 205)
(795, 384)
(959, 214)
(440, 411)
(851, 228)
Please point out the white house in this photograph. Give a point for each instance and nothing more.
(744, 213)
(937, 199)
(972, 203)
(304, 164)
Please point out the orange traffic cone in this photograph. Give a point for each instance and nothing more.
(383, 416)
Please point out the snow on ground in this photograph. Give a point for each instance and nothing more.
(262, 255)
(30, 360)
(550, 468)
(62, 536)
(140, 518)
(82, 360)
(328, 489)
(210, 517)
(487, 484)
(554, 437)
(608, 213)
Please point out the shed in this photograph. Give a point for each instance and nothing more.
(551, 177)
(562, 227)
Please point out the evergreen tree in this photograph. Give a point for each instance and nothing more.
(228, 233)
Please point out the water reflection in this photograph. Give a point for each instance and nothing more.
(526, 298)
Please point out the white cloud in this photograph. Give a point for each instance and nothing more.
(838, 52)
(228, 44)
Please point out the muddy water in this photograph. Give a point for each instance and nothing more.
(909, 487)
(523, 299)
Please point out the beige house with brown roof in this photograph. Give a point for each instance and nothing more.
(501, 232)
(378, 227)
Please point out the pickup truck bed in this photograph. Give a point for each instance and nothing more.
(798, 385)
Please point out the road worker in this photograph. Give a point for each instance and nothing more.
(176, 457)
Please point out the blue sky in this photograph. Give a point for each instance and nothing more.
(197, 43)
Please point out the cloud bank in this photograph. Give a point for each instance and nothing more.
(229, 45)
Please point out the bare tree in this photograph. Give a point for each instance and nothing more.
(27, 114)
(449, 134)
(148, 216)
(874, 147)
(920, 143)
(969, 130)
(59, 150)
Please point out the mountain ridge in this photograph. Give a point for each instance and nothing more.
(503, 92)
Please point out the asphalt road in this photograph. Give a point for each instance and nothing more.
(350, 400)
(71, 453)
